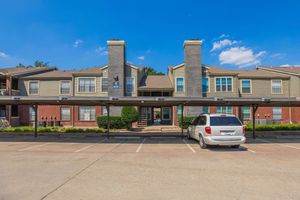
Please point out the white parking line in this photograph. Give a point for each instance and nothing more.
(284, 145)
(251, 150)
(35, 146)
(140, 146)
(84, 148)
(189, 146)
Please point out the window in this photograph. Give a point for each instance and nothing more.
(65, 113)
(224, 121)
(277, 113)
(205, 109)
(205, 85)
(246, 86)
(86, 85)
(202, 120)
(31, 114)
(87, 113)
(104, 110)
(65, 87)
(224, 109)
(224, 84)
(179, 85)
(104, 84)
(33, 87)
(166, 113)
(129, 85)
(276, 86)
(246, 112)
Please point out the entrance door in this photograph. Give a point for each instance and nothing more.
(166, 115)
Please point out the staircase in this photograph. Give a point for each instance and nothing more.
(143, 122)
(4, 123)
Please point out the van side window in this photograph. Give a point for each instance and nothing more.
(202, 120)
(195, 121)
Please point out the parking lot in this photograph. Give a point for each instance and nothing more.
(147, 168)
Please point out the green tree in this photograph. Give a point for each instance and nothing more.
(39, 63)
(129, 114)
(152, 71)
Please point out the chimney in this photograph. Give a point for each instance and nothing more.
(116, 67)
(193, 72)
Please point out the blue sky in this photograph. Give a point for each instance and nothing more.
(73, 34)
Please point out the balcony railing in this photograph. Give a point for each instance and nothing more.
(3, 92)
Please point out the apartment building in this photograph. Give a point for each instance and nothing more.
(119, 79)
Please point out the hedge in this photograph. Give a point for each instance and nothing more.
(186, 121)
(55, 129)
(129, 114)
(274, 127)
(116, 122)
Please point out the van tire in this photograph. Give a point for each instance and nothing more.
(202, 143)
(235, 146)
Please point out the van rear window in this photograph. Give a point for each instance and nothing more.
(224, 121)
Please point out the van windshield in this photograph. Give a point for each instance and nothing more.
(224, 121)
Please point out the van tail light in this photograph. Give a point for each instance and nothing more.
(208, 130)
(244, 131)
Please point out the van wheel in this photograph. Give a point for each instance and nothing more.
(235, 146)
(188, 135)
(202, 143)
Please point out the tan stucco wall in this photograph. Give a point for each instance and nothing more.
(46, 87)
(262, 88)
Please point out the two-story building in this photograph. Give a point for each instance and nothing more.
(189, 79)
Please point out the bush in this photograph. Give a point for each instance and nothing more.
(273, 127)
(50, 129)
(129, 114)
(185, 122)
(116, 122)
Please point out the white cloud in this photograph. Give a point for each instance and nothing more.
(141, 57)
(77, 43)
(3, 55)
(223, 35)
(288, 65)
(223, 43)
(102, 51)
(241, 56)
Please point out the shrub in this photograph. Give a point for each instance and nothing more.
(273, 127)
(129, 114)
(185, 122)
(50, 129)
(116, 122)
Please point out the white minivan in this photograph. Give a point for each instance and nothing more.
(217, 129)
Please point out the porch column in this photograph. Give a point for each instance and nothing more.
(108, 120)
(182, 120)
(254, 108)
(35, 107)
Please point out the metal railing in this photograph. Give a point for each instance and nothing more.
(3, 92)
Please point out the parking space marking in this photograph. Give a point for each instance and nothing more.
(284, 145)
(140, 146)
(34, 146)
(84, 148)
(189, 146)
(251, 150)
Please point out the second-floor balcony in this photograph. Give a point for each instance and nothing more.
(4, 92)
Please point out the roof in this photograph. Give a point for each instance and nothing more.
(90, 71)
(155, 82)
(254, 73)
(288, 70)
(23, 71)
(53, 75)
(220, 71)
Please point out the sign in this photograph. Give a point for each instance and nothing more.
(116, 85)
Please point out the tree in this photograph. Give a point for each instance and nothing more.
(152, 71)
(129, 114)
(20, 65)
(39, 63)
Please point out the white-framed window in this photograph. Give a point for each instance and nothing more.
(31, 113)
(104, 84)
(87, 85)
(246, 86)
(205, 84)
(104, 110)
(87, 113)
(205, 109)
(166, 113)
(276, 85)
(224, 109)
(179, 84)
(246, 112)
(179, 109)
(33, 87)
(65, 113)
(65, 87)
(277, 113)
(129, 85)
(223, 84)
